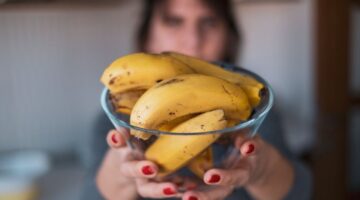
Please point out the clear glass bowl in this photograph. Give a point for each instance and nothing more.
(223, 152)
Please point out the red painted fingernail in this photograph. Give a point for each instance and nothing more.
(250, 149)
(147, 170)
(193, 198)
(168, 191)
(113, 138)
(214, 178)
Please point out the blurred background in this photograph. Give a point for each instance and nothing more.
(52, 54)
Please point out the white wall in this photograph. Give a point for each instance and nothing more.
(51, 59)
(278, 45)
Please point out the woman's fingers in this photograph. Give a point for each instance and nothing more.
(240, 174)
(128, 166)
(231, 177)
(150, 189)
(115, 139)
(248, 147)
(139, 169)
(215, 193)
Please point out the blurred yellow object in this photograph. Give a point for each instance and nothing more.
(19, 172)
(30, 194)
(13, 188)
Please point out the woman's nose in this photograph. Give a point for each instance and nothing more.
(191, 43)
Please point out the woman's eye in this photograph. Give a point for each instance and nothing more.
(208, 23)
(172, 21)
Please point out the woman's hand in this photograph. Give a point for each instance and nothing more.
(261, 170)
(122, 176)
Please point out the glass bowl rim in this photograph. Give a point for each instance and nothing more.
(252, 121)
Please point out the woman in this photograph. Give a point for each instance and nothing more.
(205, 29)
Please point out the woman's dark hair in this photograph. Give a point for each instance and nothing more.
(223, 8)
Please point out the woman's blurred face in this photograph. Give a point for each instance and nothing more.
(188, 27)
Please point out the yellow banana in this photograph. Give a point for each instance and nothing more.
(125, 101)
(167, 127)
(184, 95)
(201, 163)
(204, 161)
(180, 149)
(139, 71)
(178, 93)
(250, 86)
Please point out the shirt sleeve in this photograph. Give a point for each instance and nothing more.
(272, 131)
(96, 150)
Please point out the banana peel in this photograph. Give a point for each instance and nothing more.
(199, 93)
(201, 163)
(251, 86)
(180, 149)
(125, 101)
(140, 71)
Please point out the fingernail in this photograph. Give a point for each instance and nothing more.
(214, 178)
(147, 170)
(168, 191)
(113, 138)
(193, 198)
(250, 149)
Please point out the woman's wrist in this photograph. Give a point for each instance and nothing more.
(110, 182)
(277, 179)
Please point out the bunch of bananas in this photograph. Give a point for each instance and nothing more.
(181, 94)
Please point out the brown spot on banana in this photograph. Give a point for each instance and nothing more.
(112, 81)
(170, 81)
